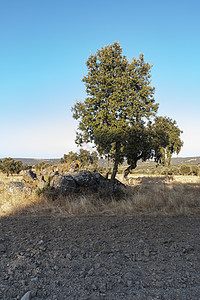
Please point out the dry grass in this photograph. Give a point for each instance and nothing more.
(143, 196)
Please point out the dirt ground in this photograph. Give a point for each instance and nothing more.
(100, 258)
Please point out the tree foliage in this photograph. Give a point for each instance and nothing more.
(118, 112)
(84, 157)
(166, 139)
(41, 166)
(10, 166)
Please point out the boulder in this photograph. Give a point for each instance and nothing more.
(87, 179)
(30, 178)
(15, 187)
(29, 175)
(64, 185)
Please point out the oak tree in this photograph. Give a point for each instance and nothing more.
(119, 108)
(10, 166)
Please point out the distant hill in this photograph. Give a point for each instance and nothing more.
(34, 161)
(176, 161)
(103, 162)
(186, 160)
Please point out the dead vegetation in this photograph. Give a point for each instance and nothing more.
(144, 195)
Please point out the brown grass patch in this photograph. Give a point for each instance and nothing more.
(153, 195)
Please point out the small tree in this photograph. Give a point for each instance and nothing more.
(69, 158)
(10, 166)
(94, 158)
(195, 170)
(41, 166)
(84, 157)
(185, 169)
(166, 139)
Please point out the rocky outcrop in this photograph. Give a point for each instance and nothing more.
(76, 182)
(60, 183)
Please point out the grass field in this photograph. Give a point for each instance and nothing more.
(143, 195)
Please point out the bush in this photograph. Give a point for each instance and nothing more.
(41, 166)
(175, 171)
(195, 170)
(10, 166)
(185, 170)
(47, 191)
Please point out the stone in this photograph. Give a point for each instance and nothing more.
(97, 266)
(29, 175)
(41, 183)
(129, 283)
(146, 253)
(86, 179)
(27, 296)
(34, 279)
(15, 187)
(40, 242)
(64, 185)
(188, 248)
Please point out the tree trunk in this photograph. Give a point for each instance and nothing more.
(128, 170)
(116, 164)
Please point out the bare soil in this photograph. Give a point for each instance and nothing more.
(100, 258)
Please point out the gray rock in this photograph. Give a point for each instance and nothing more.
(146, 253)
(15, 187)
(188, 248)
(41, 183)
(34, 279)
(40, 242)
(27, 296)
(64, 184)
(84, 178)
(88, 179)
(29, 175)
(129, 283)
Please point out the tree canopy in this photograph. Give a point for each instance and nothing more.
(119, 112)
(10, 166)
(85, 157)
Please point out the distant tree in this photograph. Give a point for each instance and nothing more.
(94, 158)
(195, 170)
(119, 106)
(70, 157)
(41, 166)
(10, 166)
(84, 157)
(166, 139)
(26, 167)
(185, 169)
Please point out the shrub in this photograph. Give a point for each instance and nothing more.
(41, 166)
(47, 191)
(185, 170)
(194, 170)
(10, 166)
(175, 171)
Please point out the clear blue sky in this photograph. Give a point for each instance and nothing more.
(43, 48)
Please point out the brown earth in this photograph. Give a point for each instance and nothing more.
(100, 258)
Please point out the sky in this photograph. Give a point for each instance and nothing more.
(44, 45)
